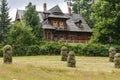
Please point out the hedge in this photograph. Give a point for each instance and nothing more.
(1, 54)
(48, 48)
(53, 48)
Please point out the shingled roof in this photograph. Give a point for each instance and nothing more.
(19, 14)
(56, 12)
(54, 9)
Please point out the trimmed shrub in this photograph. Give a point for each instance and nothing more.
(1, 50)
(117, 60)
(117, 47)
(95, 50)
(19, 50)
(7, 54)
(53, 48)
(64, 54)
(33, 50)
(71, 62)
(112, 52)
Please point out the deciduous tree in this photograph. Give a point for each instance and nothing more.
(20, 34)
(106, 14)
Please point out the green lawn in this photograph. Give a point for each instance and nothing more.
(51, 68)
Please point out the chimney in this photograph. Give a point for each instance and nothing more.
(25, 7)
(69, 11)
(34, 7)
(44, 6)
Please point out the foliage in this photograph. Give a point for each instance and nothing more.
(20, 34)
(1, 53)
(33, 50)
(47, 48)
(4, 19)
(31, 18)
(1, 50)
(96, 50)
(106, 14)
(53, 48)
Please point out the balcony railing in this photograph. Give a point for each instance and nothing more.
(71, 41)
(75, 41)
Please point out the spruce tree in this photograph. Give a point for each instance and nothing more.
(4, 19)
(31, 18)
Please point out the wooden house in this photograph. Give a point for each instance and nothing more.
(59, 26)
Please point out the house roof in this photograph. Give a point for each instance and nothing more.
(48, 26)
(73, 27)
(56, 12)
(54, 9)
(19, 14)
(58, 16)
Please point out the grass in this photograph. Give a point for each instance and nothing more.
(51, 68)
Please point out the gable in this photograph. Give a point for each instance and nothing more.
(55, 10)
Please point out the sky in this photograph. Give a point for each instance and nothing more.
(20, 4)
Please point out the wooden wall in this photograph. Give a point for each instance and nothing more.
(58, 22)
(51, 35)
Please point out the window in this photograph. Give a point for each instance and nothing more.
(55, 23)
(48, 36)
(71, 37)
(61, 24)
(78, 24)
(55, 37)
(61, 37)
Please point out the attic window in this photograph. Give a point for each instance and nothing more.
(58, 13)
(81, 26)
(78, 24)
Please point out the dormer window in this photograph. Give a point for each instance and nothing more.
(78, 24)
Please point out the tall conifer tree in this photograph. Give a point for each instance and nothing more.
(31, 18)
(4, 19)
